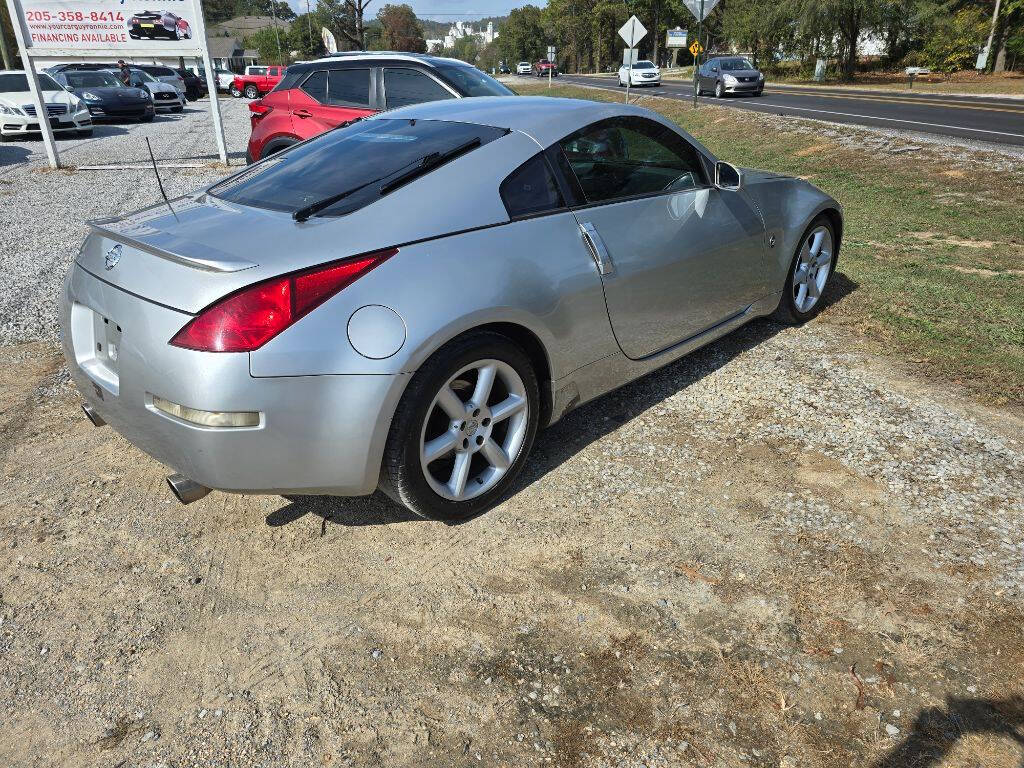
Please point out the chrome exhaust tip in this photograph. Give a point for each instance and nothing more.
(186, 491)
(91, 415)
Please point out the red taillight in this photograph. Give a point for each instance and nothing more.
(258, 108)
(247, 320)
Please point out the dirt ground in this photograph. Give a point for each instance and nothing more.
(779, 551)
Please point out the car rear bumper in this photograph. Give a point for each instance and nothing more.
(315, 434)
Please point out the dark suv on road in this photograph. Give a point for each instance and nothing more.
(316, 96)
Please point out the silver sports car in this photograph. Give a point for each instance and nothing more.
(403, 302)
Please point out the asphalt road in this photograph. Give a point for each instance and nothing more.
(968, 117)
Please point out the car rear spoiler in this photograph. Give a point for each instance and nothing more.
(167, 245)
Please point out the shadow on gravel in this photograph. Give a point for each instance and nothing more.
(13, 155)
(574, 432)
(594, 420)
(937, 731)
(377, 509)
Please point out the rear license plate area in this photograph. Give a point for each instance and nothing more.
(97, 343)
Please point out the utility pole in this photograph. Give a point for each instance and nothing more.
(309, 23)
(992, 33)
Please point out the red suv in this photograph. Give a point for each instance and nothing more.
(256, 81)
(316, 96)
(542, 67)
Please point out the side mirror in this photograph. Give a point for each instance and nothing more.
(728, 176)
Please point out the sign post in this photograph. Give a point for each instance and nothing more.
(551, 60)
(701, 9)
(632, 32)
(109, 30)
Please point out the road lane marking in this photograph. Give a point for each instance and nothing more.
(761, 106)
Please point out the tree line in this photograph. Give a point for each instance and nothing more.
(945, 35)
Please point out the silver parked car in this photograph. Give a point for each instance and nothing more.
(722, 75)
(403, 302)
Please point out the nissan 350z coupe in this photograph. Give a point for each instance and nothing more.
(403, 302)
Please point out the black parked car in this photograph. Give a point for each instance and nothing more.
(195, 86)
(106, 96)
(722, 75)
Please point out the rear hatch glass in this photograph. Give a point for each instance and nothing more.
(357, 164)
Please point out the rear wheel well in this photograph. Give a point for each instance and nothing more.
(527, 340)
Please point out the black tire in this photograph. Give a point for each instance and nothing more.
(84, 134)
(251, 92)
(235, 93)
(787, 311)
(758, 92)
(402, 476)
(146, 118)
(719, 91)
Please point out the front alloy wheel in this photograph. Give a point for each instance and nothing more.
(809, 273)
(463, 428)
(718, 90)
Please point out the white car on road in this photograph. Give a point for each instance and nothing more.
(165, 95)
(524, 68)
(644, 72)
(18, 118)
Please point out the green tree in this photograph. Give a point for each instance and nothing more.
(272, 47)
(466, 48)
(955, 42)
(400, 29)
(304, 37)
(522, 35)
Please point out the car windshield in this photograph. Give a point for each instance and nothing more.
(13, 83)
(644, 65)
(143, 76)
(91, 80)
(735, 65)
(359, 160)
(524, 63)
(470, 81)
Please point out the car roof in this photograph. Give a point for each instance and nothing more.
(544, 118)
(379, 57)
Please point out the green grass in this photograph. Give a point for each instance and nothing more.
(933, 249)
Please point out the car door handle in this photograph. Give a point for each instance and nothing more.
(597, 248)
(302, 113)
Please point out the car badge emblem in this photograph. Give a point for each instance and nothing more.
(113, 256)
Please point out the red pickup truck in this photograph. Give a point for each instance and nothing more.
(256, 81)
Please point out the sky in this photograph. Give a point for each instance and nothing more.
(445, 10)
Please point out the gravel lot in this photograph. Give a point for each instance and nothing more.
(780, 551)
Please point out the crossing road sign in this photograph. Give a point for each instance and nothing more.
(696, 48)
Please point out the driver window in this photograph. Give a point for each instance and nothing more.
(625, 157)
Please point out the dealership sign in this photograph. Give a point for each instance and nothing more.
(113, 27)
(107, 30)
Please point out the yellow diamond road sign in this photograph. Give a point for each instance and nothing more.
(696, 48)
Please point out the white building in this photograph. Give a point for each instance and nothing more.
(461, 29)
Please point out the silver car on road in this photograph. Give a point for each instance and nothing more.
(403, 302)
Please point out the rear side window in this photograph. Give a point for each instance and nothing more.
(410, 86)
(316, 86)
(470, 81)
(531, 189)
(291, 79)
(348, 87)
(356, 165)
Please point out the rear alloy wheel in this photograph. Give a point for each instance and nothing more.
(719, 93)
(809, 273)
(252, 92)
(463, 429)
(235, 92)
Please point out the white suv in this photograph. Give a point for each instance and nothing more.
(524, 68)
